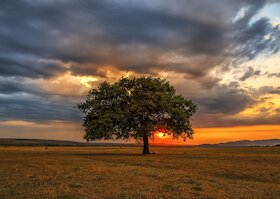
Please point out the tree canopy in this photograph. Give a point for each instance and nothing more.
(136, 108)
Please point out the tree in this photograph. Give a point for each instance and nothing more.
(136, 108)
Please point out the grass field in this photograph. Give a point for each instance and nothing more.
(114, 172)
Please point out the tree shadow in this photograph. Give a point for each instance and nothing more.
(106, 154)
(125, 154)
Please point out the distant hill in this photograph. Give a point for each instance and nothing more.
(41, 142)
(270, 142)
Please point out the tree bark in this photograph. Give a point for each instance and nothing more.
(146, 145)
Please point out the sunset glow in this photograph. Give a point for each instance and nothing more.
(162, 135)
(217, 135)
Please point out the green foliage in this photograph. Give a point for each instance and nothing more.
(136, 108)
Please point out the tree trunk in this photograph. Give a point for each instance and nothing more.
(146, 145)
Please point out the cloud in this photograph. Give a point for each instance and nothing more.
(27, 66)
(273, 75)
(34, 108)
(268, 90)
(250, 73)
(224, 99)
(50, 50)
(257, 107)
(256, 37)
(275, 91)
(138, 37)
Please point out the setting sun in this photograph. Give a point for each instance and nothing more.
(161, 135)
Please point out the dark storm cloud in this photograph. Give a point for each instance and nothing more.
(8, 86)
(34, 108)
(224, 99)
(37, 38)
(22, 101)
(164, 30)
(117, 33)
(17, 65)
(257, 37)
(17, 85)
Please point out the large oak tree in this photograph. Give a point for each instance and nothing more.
(136, 108)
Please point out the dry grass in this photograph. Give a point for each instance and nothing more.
(113, 172)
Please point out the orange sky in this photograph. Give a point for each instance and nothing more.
(217, 135)
(73, 131)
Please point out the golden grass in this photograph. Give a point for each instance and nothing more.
(114, 172)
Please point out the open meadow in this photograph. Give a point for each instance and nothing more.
(122, 172)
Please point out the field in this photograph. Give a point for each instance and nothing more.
(122, 172)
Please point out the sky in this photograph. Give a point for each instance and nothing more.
(222, 54)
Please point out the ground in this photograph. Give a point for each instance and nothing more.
(122, 172)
